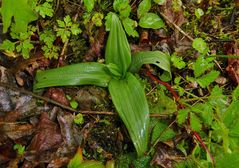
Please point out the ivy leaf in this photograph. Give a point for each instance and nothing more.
(151, 20)
(200, 45)
(20, 10)
(129, 26)
(143, 8)
(207, 79)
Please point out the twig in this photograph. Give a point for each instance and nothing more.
(176, 26)
(9, 86)
(181, 106)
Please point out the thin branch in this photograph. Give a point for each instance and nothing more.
(176, 26)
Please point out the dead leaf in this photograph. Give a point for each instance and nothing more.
(47, 136)
(233, 63)
(174, 13)
(16, 131)
(165, 156)
(58, 95)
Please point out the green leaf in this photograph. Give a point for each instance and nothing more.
(20, 148)
(199, 13)
(151, 20)
(231, 114)
(45, 9)
(205, 111)
(207, 79)
(77, 74)
(76, 161)
(129, 26)
(162, 132)
(177, 61)
(79, 119)
(75, 30)
(217, 99)
(182, 115)
(20, 11)
(89, 4)
(201, 65)
(160, 2)
(130, 102)
(235, 93)
(114, 70)
(7, 45)
(143, 8)
(91, 164)
(195, 122)
(200, 45)
(117, 48)
(227, 160)
(157, 58)
(123, 7)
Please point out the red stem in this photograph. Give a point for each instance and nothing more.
(180, 106)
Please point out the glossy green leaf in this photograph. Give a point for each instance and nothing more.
(20, 11)
(143, 8)
(157, 58)
(77, 74)
(151, 20)
(129, 99)
(117, 48)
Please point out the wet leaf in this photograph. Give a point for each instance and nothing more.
(130, 102)
(47, 137)
(151, 20)
(157, 58)
(117, 47)
(77, 74)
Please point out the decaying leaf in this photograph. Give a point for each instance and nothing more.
(233, 63)
(48, 137)
(165, 156)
